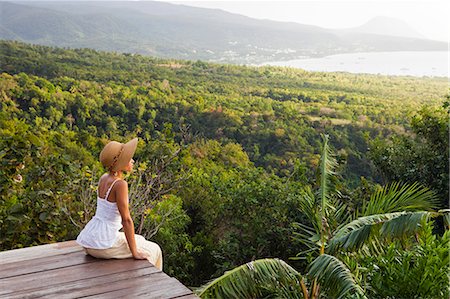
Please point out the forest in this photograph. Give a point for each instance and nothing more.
(331, 184)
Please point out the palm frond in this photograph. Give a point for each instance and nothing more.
(446, 213)
(309, 207)
(339, 213)
(327, 165)
(405, 224)
(306, 235)
(335, 277)
(396, 197)
(392, 225)
(254, 280)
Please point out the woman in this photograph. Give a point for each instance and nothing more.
(101, 237)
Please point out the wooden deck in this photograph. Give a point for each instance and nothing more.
(64, 270)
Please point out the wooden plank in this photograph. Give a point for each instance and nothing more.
(33, 252)
(45, 264)
(69, 274)
(64, 270)
(158, 285)
(66, 290)
(120, 289)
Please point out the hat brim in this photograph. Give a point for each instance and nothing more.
(128, 151)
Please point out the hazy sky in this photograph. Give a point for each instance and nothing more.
(430, 18)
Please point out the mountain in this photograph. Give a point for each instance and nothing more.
(183, 32)
(388, 26)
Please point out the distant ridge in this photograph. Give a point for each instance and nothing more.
(388, 26)
(178, 31)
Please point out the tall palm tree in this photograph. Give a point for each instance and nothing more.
(393, 211)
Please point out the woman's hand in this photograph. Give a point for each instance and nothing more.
(140, 255)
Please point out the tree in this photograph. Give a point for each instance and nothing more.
(393, 211)
(422, 156)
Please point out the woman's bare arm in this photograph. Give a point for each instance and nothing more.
(127, 221)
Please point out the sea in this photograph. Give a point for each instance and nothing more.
(405, 63)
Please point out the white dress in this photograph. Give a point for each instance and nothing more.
(101, 237)
(102, 230)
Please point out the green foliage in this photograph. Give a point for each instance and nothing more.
(379, 216)
(263, 199)
(390, 225)
(416, 270)
(169, 220)
(250, 166)
(38, 165)
(221, 196)
(265, 278)
(272, 112)
(335, 277)
(420, 157)
(328, 273)
(327, 165)
(393, 197)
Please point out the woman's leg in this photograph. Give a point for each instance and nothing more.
(120, 250)
(152, 249)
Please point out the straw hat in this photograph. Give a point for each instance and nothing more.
(115, 155)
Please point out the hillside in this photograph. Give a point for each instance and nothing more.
(273, 112)
(237, 147)
(184, 32)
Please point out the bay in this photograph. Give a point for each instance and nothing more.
(405, 63)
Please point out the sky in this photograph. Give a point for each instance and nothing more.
(430, 18)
